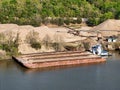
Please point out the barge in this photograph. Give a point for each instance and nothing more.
(53, 59)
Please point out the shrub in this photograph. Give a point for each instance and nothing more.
(47, 41)
(9, 43)
(60, 22)
(36, 45)
(67, 21)
(93, 21)
(79, 20)
(86, 45)
(45, 21)
(33, 39)
(70, 48)
(116, 45)
(56, 46)
(73, 21)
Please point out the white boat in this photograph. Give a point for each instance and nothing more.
(104, 53)
(97, 49)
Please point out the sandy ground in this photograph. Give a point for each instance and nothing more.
(53, 33)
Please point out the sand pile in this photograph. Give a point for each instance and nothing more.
(43, 31)
(23, 31)
(111, 25)
(8, 27)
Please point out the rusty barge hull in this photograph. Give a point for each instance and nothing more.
(44, 60)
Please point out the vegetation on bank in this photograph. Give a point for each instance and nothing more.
(9, 43)
(32, 38)
(115, 45)
(35, 12)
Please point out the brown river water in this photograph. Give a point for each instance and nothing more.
(104, 76)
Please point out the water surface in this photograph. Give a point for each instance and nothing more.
(105, 76)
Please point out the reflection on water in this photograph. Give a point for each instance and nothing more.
(105, 76)
(115, 56)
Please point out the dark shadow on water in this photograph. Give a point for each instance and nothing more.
(11, 64)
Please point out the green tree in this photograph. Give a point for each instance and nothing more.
(33, 12)
(106, 16)
(93, 21)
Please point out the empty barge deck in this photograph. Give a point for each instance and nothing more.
(51, 59)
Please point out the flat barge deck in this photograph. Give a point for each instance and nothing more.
(53, 59)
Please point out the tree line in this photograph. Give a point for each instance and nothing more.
(35, 12)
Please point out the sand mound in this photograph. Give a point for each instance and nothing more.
(109, 24)
(23, 31)
(43, 31)
(7, 27)
(109, 27)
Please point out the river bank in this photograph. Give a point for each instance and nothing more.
(27, 39)
(3, 58)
